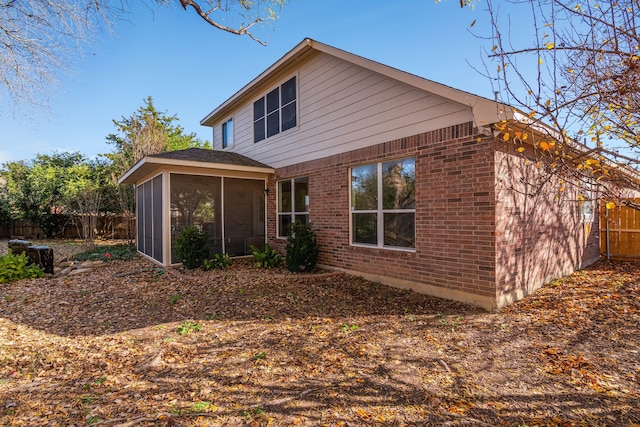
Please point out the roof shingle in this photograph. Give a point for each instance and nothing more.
(210, 156)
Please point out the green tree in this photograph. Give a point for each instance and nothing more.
(36, 189)
(145, 131)
(85, 193)
(5, 208)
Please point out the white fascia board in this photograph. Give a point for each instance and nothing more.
(131, 171)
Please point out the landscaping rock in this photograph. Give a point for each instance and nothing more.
(93, 264)
(79, 271)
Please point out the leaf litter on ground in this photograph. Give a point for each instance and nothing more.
(248, 346)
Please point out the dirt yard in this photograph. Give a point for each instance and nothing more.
(133, 344)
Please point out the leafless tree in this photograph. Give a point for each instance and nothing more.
(40, 38)
(571, 69)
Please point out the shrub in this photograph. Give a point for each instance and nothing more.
(14, 267)
(191, 247)
(268, 258)
(302, 248)
(219, 261)
(187, 327)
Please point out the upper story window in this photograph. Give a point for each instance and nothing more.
(383, 204)
(276, 111)
(227, 133)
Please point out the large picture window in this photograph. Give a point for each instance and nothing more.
(383, 204)
(275, 112)
(293, 203)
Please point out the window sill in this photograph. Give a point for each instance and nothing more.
(385, 248)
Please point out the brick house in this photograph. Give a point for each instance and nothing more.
(406, 181)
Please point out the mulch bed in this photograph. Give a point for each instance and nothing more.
(133, 344)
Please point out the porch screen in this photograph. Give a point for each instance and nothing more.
(243, 215)
(196, 200)
(149, 218)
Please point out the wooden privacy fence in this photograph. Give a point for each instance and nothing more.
(107, 227)
(620, 232)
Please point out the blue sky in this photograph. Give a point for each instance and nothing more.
(189, 67)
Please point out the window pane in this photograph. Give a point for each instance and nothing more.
(302, 218)
(273, 123)
(399, 230)
(284, 196)
(288, 91)
(289, 116)
(227, 133)
(273, 100)
(587, 211)
(398, 184)
(258, 130)
(365, 228)
(224, 135)
(301, 188)
(364, 187)
(283, 225)
(258, 109)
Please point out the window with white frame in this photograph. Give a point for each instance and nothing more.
(383, 204)
(227, 133)
(276, 111)
(293, 203)
(586, 204)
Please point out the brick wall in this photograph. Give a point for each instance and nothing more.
(492, 225)
(541, 233)
(455, 201)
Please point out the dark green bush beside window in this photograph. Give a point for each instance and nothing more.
(302, 248)
(191, 247)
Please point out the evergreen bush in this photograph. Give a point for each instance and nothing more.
(302, 248)
(191, 247)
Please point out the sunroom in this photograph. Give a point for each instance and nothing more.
(221, 193)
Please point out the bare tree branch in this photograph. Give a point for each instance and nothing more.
(41, 39)
(579, 73)
(243, 29)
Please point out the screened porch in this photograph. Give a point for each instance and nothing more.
(221, 193)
